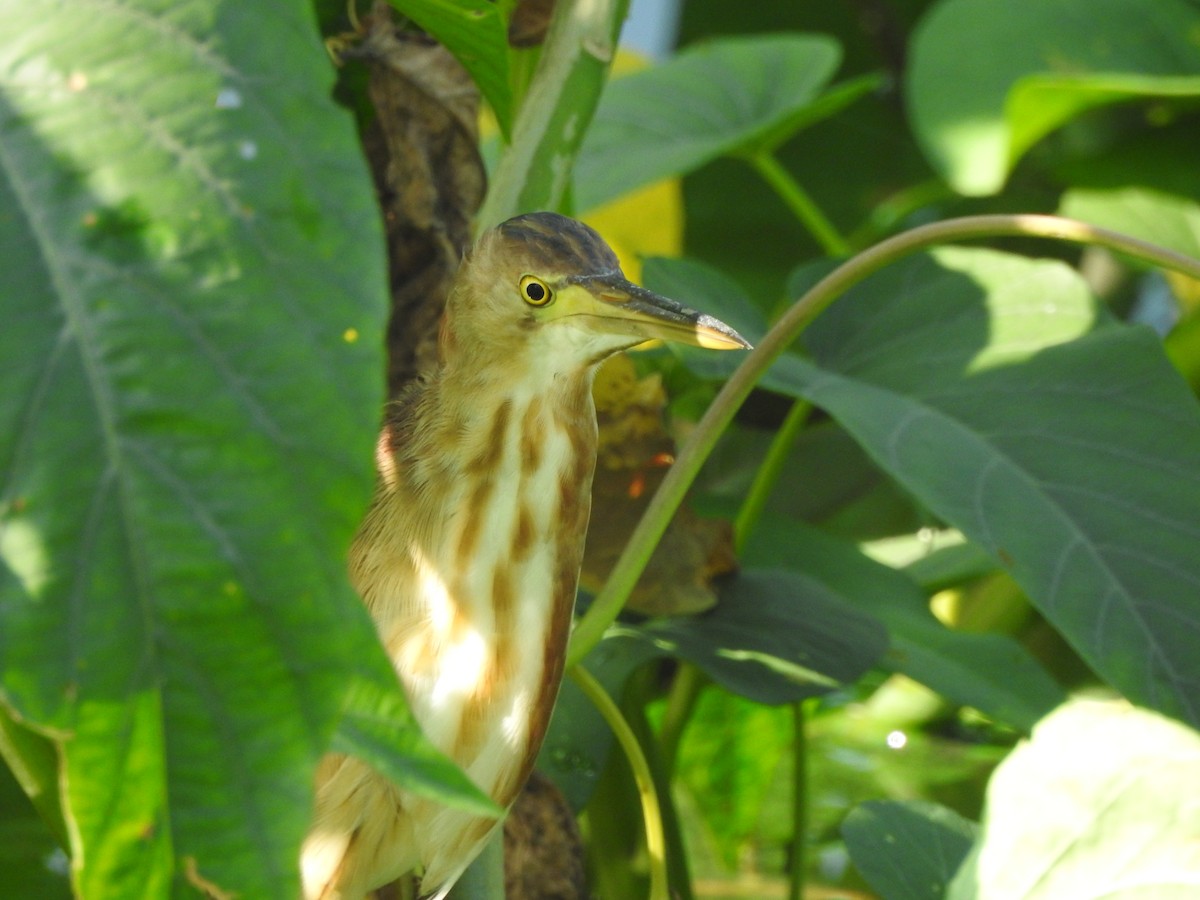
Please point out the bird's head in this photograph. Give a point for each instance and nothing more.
(548, 287)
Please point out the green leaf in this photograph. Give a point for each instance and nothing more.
(719, 97)
(1071, 453)
(909, 850)
(368, 729)
(1163, 219)
(1100, 803)
(773, 637)
(990, 672)
(476, 33)
(988, 80)
(192, 306)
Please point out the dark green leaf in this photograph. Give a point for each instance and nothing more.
(1100, 803)
(33, 864)
(719, 97)
(910, 850)
(1074, 462)
(990, 672)
(774, 637)
(988, 80)
(192, 300)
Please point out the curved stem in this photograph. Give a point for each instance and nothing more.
(704, 437)
(681, 700)
(655, 838)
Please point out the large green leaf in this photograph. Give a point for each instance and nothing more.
(192, 297)
(910, 850)
(990, 672)
(1065, 446)
(714, 98)
(988, 80)
(774, 637)
(1100, 803)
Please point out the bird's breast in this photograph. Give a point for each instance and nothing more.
(474, 584)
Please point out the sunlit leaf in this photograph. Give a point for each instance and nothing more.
(988, 80)
(735, 759)
(1164, 219)
(1145, 186)
(1100, 803)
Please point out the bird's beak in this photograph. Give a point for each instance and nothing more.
(621, 307)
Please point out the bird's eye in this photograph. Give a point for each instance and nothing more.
(535, 291)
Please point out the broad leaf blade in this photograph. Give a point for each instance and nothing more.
(1100, 803)
(990, 672)
(988, 80)
(774, 637)
(711, 99)
(910, 850)
(192, 295)
(1075, 463)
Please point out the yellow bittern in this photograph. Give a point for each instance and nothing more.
(469, 556)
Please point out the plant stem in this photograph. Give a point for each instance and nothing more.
(768, 473)
(797, 869)
(639, 692)
(798, 200)
(655, 839)
(720, 413)
(681, 700)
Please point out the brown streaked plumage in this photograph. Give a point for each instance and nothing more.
(469, 557)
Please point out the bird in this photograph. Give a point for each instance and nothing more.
(468, 558)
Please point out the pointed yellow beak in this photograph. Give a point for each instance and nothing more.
(617, 306)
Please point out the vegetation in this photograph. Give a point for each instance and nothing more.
(964, 483)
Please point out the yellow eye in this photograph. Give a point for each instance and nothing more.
(535, 291)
